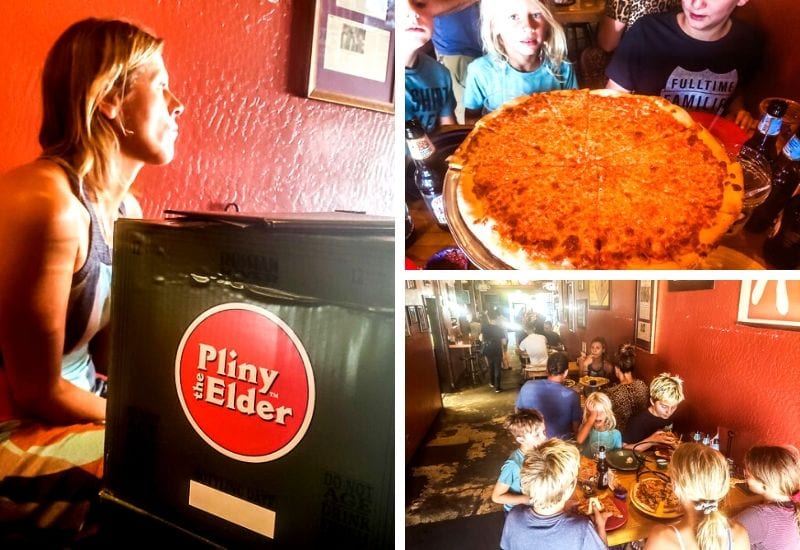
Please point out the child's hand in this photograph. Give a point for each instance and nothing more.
(745, 121)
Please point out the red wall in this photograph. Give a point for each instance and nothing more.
(245, 137)
(614, 324)
(738, 376)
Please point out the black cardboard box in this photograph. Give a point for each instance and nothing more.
(251, 394)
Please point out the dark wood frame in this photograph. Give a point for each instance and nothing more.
(581, 312)
(347, 89)
(765, 311)
(678, 286)
(422, 315)
(644, 328)
(593, 303)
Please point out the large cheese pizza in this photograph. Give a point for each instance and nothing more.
(593, 180)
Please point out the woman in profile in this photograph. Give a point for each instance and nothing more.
(107, 111)
(700, 480)
(631, 395)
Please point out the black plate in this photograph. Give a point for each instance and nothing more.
(618, 459)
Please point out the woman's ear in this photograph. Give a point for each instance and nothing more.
(110, 106)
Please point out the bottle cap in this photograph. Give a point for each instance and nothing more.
(777, 108)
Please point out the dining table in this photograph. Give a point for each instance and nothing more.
(639, 524)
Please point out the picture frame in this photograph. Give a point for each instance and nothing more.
(770, 303)
(599, 294)
(581, 312)
(646, 309)
(411, 314)
(679, 286)
(352, 53)
(422, 315)
(581, 286)
(411, 284)
(571, 322)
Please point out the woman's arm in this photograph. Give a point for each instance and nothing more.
(40, 228)
(609, 33)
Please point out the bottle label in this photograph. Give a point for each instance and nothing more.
(769, 125)
(437, 206)
(792, 148)
(421, 148)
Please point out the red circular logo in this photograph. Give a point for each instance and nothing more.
(244, 382)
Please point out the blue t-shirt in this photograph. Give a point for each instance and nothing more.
(525, 529)
(458, 33)
(610, 439)
(559, 405)
(655, 57)
(491, 82)
(429, 92)
(509, 474)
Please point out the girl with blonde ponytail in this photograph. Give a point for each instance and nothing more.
(774, 473)
(700, 480)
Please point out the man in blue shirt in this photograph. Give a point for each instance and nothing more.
(560, 406)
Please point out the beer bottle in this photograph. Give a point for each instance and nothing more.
(764, 139)
(427, 179)
(785, 179)
(602, 468)
(411, 234)
(782, 248)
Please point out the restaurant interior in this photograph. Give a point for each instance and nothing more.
(731, 341)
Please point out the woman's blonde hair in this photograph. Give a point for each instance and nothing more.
(93, 60)
(600, 401)
(553, 51)
(549, 472)
(778, 468)
(700, 477)
(667, 388)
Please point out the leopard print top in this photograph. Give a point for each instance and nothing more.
(628, 11)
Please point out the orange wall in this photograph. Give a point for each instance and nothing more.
(738, 376)
(245, 137)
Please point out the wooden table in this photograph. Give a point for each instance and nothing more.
(639, 525)
(430, 238)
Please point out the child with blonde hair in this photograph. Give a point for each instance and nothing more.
(526, 52)
(652, 426)
(700, 480)
(549, 475)
(598, 427)
(527, 428)
(774, 473)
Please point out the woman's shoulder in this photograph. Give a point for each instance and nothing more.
(39, 193)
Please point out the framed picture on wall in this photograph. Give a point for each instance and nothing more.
(571, 323)
(411, 283)
(679, 286)
(646, 303)
(581, 313)
(422, 315)
(581, 286)
(599, 294)
(352, 53)
(411, 314)
(770, 303)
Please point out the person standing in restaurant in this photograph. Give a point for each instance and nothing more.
(560, 406)
(700, 480)
(648, 427)
(107, 111)
(549, 476)
(699, 58)
(526, 53)
(774, 473)
(630, 395)
(428, 85)
(494, 347)
(535, 346)
(457, 41)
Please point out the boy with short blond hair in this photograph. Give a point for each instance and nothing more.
(549, 475)
(527, 428)
(649, 427)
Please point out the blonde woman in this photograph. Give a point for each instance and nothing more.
(774, 473)
(549, 475)
(700, 480)
(598, 427)
(653, 425)
(107, 111)
(526, 53)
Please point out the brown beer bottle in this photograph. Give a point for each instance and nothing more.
(764, 139)
(785, 179)
(427, 179)
(602, 468)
